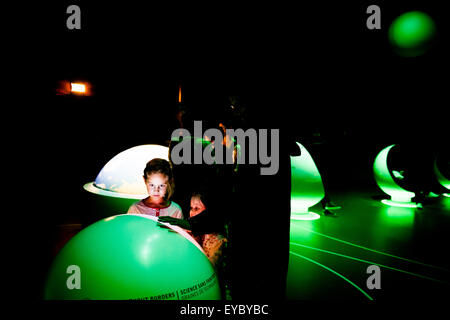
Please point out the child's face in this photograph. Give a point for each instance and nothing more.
(197, 206)
(156, 184)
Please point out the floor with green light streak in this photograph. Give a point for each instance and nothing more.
(329, 256)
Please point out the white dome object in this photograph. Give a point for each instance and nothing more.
(122, 176)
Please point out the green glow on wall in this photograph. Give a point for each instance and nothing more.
(411, 33)
(386, 183)
(306, 186)
(332, 271)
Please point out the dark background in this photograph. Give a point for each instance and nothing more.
(308, 67)
(301, 67)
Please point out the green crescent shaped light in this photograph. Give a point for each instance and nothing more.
(442, 180)
(306, 186)
(384, 180)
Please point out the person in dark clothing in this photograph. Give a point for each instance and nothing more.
(254, 206)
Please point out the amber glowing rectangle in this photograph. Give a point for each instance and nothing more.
(78, 87)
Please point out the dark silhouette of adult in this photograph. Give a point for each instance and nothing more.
(259, 214)
(255, 207)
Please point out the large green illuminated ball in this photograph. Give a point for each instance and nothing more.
(131, 257)
(411, 33)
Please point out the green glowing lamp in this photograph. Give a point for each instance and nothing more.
(131, 257)
(412, 33)
(120, 183)
(383, 177)
(306, 186)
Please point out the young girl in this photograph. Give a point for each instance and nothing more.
(158, 179)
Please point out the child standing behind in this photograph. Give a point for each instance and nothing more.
(212, 243)
(160, 185)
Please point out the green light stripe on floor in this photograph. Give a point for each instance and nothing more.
(373, 250)
(370, 262)
(332, 271)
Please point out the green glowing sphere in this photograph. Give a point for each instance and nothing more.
(131, 257)
(411, 33)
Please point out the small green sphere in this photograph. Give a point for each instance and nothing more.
(412, 33)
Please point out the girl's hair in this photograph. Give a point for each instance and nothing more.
(201, 197)
(204, 195)
(162, 166)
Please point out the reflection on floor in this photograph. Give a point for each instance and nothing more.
(329, 257)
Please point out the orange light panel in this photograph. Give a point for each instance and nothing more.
(78, 87)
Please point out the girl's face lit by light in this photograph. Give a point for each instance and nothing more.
(156, 184)
(197, 206)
